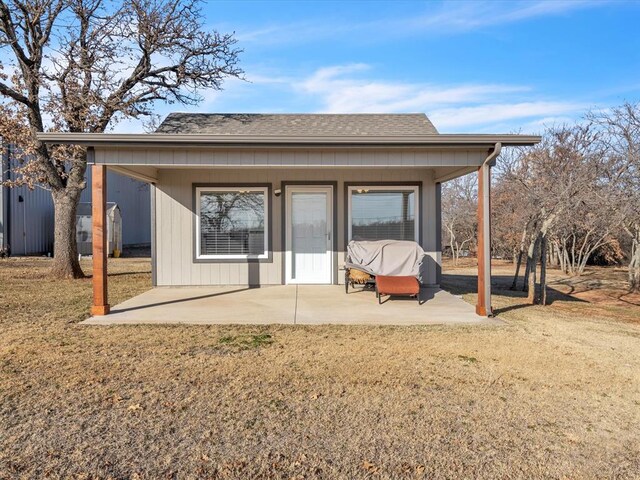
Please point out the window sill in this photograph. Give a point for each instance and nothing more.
(262, 259)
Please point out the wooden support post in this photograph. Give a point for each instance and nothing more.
(483, 306)
(99, 239)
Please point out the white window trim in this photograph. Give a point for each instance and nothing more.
(378, 188)
(263, 255)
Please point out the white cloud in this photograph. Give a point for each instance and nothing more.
(463, 107)
(463, 117)
(465, 16)
(341, 90)
(445, 18)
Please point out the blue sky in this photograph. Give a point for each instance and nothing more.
(471, 66)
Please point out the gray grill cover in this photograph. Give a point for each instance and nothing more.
(385, 257)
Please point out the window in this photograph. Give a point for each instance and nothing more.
(383, 213)
(231, 223)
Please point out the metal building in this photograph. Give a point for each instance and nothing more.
(27, 219)
(26, 216)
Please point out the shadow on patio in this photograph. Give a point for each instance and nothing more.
(288, 304)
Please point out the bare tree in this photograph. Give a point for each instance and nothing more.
(84, 65)
(459, 214)
(511, 220)
(554, 178)
(621, 140)
(589, 228)
(568, 201)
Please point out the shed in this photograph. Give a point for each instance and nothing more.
(84, 223)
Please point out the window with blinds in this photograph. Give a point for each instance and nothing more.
(232, 223)
(383, 213)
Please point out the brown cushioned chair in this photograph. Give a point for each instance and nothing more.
(401, 285)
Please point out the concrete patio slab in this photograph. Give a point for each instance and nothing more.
(287, 304)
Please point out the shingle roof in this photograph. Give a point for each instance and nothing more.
(298, 124)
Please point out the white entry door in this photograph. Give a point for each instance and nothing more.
(309, 239)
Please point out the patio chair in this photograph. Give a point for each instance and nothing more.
(406, 286)
(391, 266)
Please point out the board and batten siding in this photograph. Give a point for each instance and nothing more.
(175, 220)
(190, 157)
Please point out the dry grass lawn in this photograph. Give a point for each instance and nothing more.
(554, 393)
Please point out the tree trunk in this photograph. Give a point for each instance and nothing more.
(518, 262)
(561, 257)
(543, 270)
(572, 264)
(566, 262)
(555, 253)
(532, 262)
(514, 285)
(65, 255)
(452, 240)
(634, 263)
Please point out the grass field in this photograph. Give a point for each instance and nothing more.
(554, 393)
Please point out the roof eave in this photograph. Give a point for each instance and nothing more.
(202, 140)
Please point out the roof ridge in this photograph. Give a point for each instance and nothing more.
(298, 124)
(293, 113)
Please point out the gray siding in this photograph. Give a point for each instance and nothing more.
(299, 158)
(175, 215)
(26, 218)
(31, 221)
(133, 198)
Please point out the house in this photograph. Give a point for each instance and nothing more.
(26, 215)
(264, 199)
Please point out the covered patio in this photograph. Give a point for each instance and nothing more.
(274, 200)
(289, 305)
